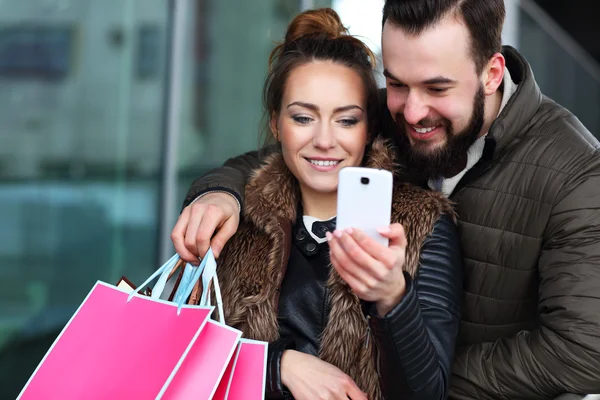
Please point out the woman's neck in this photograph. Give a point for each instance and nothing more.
(320, 205)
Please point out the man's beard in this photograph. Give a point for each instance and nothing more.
(451, 158)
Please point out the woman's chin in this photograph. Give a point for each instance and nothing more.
(321, 186)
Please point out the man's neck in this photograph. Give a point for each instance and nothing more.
(320, 205)
(458, 166)
(491, 110)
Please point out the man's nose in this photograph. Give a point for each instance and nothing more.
(415, 109)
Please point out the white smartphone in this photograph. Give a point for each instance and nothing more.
(364, 200)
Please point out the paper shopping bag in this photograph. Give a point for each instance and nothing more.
(115, 349)
(204, 365)
(201, 371)
(249, 373)
(124, 345)
(241, 377)
(245, 376)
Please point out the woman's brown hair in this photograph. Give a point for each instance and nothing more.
(318, 35)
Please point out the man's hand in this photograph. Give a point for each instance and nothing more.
(208, 222)
(373, 272)
(310, 378)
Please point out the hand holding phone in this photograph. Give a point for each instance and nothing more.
(364, 200)
(373, 273)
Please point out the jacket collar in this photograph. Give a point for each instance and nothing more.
(512, 123)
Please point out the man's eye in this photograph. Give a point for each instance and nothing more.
(397, 85)
(438, 90)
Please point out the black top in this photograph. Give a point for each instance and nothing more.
(303, 301)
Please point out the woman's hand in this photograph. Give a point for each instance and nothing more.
(310, 378)
(209, 221)
(373, 272)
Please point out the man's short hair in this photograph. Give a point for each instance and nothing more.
(484, 20)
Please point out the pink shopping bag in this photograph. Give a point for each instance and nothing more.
(123, 345)
(115, 349)
(205, 364)
(246, 374)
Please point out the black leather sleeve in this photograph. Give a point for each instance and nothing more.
(274, 389)
(416, 340)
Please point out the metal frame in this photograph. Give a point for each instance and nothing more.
(172, 125)
(510, 31)
(564, 40)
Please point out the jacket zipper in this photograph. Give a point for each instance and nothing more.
(326, 308)
(369, 338)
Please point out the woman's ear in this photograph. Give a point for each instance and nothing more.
(273, 127)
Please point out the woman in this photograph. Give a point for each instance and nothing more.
(345, 317)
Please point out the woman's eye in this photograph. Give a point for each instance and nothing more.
(348, 122)
(301, 119)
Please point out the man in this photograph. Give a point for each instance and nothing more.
(470, 119)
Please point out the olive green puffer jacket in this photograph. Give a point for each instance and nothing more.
(529, 218)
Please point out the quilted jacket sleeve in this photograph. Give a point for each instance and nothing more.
(563, 355)
(416, 339)
(230, 177)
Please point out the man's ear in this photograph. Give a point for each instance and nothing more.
(493, 74)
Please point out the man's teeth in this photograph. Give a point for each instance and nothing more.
(423, 130)
(323, 163)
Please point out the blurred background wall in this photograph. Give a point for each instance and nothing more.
(110, 108)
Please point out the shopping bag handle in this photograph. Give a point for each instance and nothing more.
(210, 274)
(206, 271)
(165, 267)
(201, 294)
(166, 274)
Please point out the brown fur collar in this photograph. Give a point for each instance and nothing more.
(252, 264)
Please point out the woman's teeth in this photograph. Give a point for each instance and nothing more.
(324, 163)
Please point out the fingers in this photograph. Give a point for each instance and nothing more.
(360, 279)
(202, 225)
(178, 237)
(368, 267)
(352, 389)
(373, 249)
(309, 377)
(395, 233)
(212, 217)
(354, 393)
(225, 232)
(365, 253)
(356, 284)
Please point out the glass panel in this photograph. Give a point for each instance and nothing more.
(559, 75)
(363, 20)
(81, 104)
(223, 79)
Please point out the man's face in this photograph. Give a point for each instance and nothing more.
(434, 94)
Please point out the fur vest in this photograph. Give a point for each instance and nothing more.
(253, 263)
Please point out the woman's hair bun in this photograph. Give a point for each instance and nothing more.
(320, 34)
(319, 22)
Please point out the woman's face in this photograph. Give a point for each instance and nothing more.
(322, 123)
